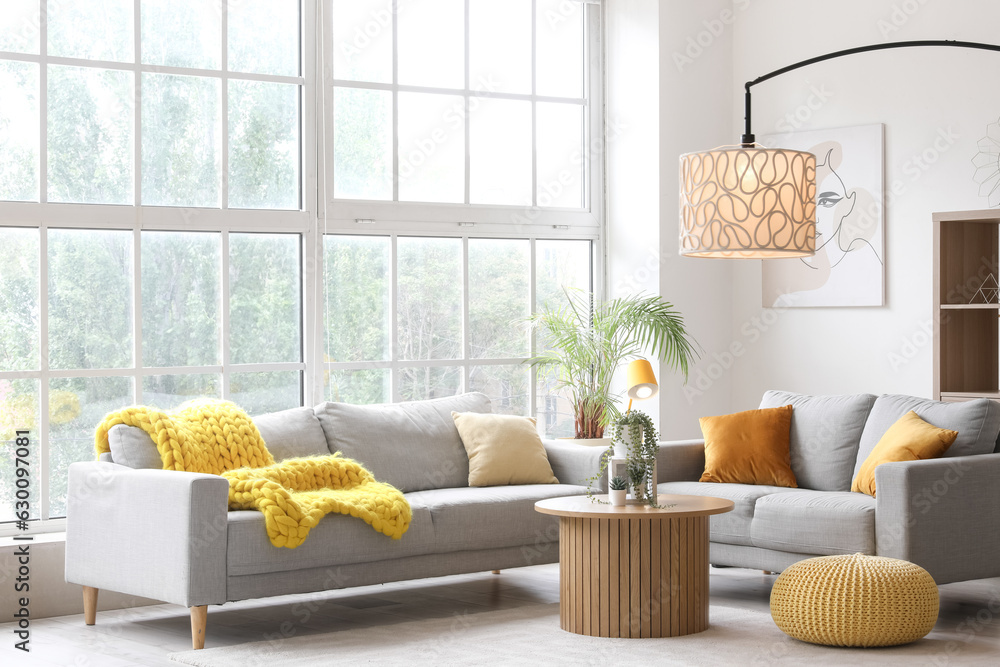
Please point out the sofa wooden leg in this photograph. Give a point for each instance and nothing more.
(496, 571)
(89, 605)
(767, 572)
(199, 618)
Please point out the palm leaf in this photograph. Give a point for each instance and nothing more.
(589, 341)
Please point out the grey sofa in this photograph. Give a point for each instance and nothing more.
(167, 535)
(942, 514)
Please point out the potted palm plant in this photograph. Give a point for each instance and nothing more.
(589, 341)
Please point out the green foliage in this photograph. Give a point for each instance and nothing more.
(642, 446)
(90, 135)
(88, 327)
(264, 298)
(181, 142)
(618, 484)
(263, 145)
(590, 341)
(19, 311)
(362, 157)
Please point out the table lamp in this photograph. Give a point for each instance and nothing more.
(641, 382)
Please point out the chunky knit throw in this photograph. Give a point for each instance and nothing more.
(217, 437)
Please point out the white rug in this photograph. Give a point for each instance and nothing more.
(531, 635)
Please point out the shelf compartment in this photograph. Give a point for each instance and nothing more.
(969, 351)
(968, 257)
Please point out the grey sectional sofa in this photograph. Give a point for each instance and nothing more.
(167, 535)
(942, 514)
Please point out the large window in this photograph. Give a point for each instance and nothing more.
(134, 136)
(280, 202)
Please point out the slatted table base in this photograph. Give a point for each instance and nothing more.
(633, 577)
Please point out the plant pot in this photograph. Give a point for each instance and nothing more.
(617, 497)
(622, 446)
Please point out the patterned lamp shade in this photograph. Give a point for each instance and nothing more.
(748, 202)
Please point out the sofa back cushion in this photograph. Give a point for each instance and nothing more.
(977, 423)
(825, 436)
(292, 433)
(287, 434)
(413, 446)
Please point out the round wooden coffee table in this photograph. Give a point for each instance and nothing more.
(633, 571)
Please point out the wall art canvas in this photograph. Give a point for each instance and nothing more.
(848, 268)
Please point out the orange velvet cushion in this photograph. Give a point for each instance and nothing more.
(749, 447)
(909, 439)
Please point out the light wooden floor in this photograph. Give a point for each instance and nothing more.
(970, 615)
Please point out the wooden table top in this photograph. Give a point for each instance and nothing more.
(584, 508)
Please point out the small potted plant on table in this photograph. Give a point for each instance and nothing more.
(617, 488)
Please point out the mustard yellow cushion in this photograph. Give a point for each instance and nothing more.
(909, 439)
(749, 447)
(503, 449)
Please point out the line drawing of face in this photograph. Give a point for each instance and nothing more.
(846, 218)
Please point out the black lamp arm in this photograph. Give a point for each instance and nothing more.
(748, 137)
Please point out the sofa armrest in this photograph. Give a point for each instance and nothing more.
(941, 514)
(160, 534)
(680, 461)
(573, 464)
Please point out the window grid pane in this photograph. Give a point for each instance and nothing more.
(429, 298)
(90, 135)
(92, 29)
(19, 131)
(180, 298)
(263, 145)
(181, 140)
(90, 328)
(504, 135)
(20, 23)
(19, 330)
(264, 302)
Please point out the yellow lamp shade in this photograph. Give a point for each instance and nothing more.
(748, 202)
(641, 381)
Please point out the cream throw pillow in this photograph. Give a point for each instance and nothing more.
(503, 449)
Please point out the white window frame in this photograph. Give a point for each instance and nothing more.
(137, 217)
(435, 218)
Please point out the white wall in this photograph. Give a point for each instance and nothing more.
(920, 94)
(48, 593)
(695, 113)
(669, 70)
(632, 161)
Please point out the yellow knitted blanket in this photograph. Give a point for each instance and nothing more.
(217, 437)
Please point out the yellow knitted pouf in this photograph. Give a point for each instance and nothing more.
(855, 600)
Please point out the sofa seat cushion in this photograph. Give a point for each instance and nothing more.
(337, 539)
(292, 433)
(413, 446)
(977, 423)
(490, 517)
(815, 522)
(825, 436)
(731, 527)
